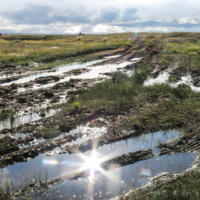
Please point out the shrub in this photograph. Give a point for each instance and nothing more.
(76, 105)
(49, 132)
(119, 77)
(64, 128)
(172, 79)
(139, 77)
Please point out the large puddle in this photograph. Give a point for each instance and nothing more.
(164, 77)
(120, 180)
(16, 121)
(60, 70)
(106, 184)
(94, 73)
(63, 164)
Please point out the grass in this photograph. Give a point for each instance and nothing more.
(7, 145)
(172, 79)
(76, 105)
(6, 113)
(146, 108)
(6, 187)
(185, 187)
(49, 132)
(122, 89)
(24, 51)
(178, 108)
(24, 187)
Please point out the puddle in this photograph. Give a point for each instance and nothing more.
(162, 78)
(84, 129)
(33, 143)
(23, 119)
(94, 73)
(60, 70)
(188, 81)
(136, 59)
(63, 164)
(109, 57)
(107, 184)
(19, 135)
(88, 134)
(118, 180)
(13, 74)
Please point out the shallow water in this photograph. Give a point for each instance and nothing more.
(188, 81)
(60, 70)
(162, 78)
(122, 179)
(109, 57)
(94, 73)
(63, 164)
(23, 119)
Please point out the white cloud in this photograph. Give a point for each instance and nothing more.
(101, 28)
(102, 16)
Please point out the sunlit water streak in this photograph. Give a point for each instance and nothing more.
(60, 70)
(16, 121)
(164, 77)
(94, 73)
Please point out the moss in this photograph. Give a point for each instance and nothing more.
(49, 132)
(185, 187)
(6, 113)
(7, 145)
(172, 79)
(64, 128)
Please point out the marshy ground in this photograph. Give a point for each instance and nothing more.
(128, 104)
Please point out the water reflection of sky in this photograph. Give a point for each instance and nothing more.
(23, 119)
(59, 71)
(94, 73)
(109, 183)
(68, 163)
(119, 180)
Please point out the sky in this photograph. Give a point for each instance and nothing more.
(94, 16)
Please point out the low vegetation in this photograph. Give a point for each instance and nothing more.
(142, 108)
(185, 187)
(22, 50)
(175, 109)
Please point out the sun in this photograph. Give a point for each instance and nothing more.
(92, 164)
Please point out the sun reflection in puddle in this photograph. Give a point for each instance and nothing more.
(92, 164)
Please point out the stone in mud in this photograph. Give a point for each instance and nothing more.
(7, 145)
(22, 100)
(45, 80)
(97, 123)
(64, 128)
(75, 92)
(4, 90)
(28, 85)
(76, 72)
(48, 94)
(13, 86)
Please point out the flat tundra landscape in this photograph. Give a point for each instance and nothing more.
(103, 116)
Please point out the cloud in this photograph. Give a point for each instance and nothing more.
(109, 14)
(40, 18)
(42, 14)
(30, 14)
(129, 15)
